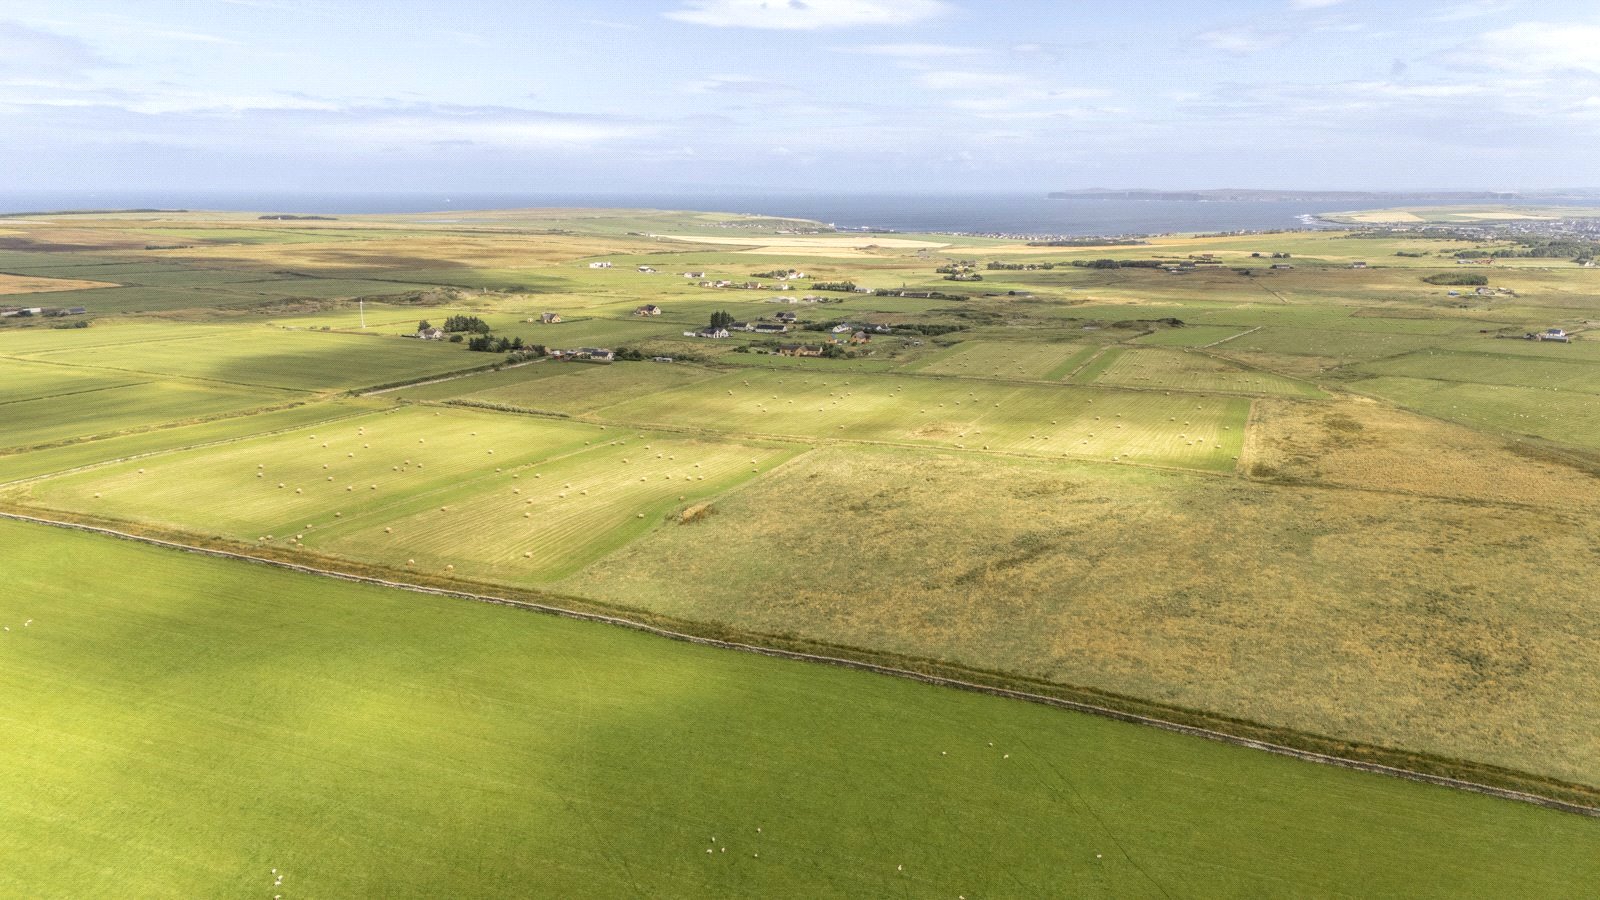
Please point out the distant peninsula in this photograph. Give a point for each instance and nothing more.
(1246, 195)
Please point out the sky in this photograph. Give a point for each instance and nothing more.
(881, 96)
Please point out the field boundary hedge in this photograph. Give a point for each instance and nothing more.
(949, 680)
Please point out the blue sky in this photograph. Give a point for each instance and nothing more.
(885, 96)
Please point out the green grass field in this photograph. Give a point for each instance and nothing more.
(110, 410)
(364, 741)
(1201, 432)
(1331, 509)
(256, 356)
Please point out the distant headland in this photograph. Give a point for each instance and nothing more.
(1247, 195)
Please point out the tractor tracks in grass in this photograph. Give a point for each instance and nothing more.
(926, 677)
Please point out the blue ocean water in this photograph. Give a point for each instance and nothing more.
(1009, 213)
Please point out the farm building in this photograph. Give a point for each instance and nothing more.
(769, 328)
(787, 318)
(647, 270)
(431, 334)
(1554, 334)
(717, 333)
(798, 350)
(585, 354)
(1358, 265)
(549, 318)
(694, 274)
(602, 264)
(649, 309)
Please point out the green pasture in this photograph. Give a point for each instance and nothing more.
(110, 410)
(234, 706)
(21, 380)
(1549, 374)
(262, 356)
(34, 463)
(1339, 345)
(1191, 431)
(1190, 336)
(1566, 417)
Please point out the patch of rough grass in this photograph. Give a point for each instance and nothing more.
(1407, 621)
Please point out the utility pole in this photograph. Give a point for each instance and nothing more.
(362, 306)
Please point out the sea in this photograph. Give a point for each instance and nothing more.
(997, 213)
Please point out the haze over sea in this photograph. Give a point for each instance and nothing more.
(1012, 213)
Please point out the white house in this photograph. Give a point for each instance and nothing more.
(602, 264)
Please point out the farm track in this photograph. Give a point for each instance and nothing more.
(458, 375)
(846, 662)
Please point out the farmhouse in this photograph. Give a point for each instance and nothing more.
(860, 337)
(798, 350)
(1553, 334)
(769, 328)
(549, 318)
(431, 334)
(602, 264)
(715, 333)
(787, 317)
(585, 354)
(1358, 265)
(843, 327)
(647, 270)
(694, 274)
(649, 309)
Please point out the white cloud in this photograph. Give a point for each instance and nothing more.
(1533, 47)
(806, 14)
(1473, 10)
(916, 51)
(969, 81)
(1243, 40)
(478, 125)
(735, 84)
(31, 51)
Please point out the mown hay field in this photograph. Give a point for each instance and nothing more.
(356, 739)
(546, 520)
(509, 498)
(1194, 431)
(568, 387)
(1188, 371)
(149, 440)
(279, 483)
(1013, 360)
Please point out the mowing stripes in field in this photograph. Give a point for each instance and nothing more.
(1194, 431)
